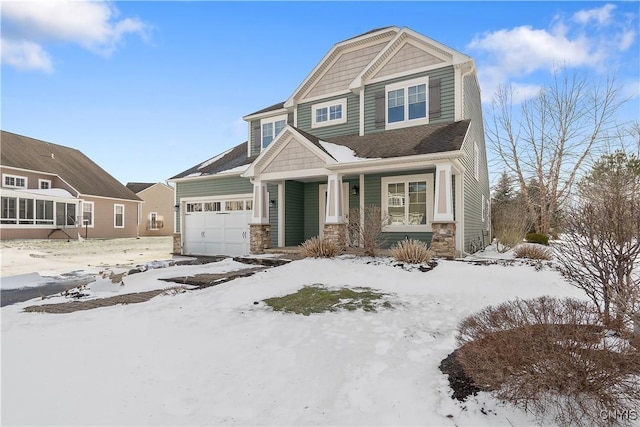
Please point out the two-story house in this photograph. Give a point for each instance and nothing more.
(389, 118)
(52, 191)
(156, 213)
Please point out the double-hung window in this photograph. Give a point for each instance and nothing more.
(271, 127)
(407, 103)
(407, 202)
(329, 113)
(118, 216)
(87, 214)
(44, 184)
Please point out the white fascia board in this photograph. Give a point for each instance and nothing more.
(82, 196)
(199, 177)
(278, 145)
(294, 175)
(266, 114)
(395, 163)
(42, 173)
(457, 56)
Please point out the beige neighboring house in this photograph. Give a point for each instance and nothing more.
(50, 191)
(157, 212)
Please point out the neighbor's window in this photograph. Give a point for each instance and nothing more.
(407, 103)
(14, 181)
(407, 201)
(271, 127)
(329, 113)
(118, 216)
(9, 210)
(44, 212)
(25, 211)
(153, 220)
(87, 214)
(44, 184)
(65, 214)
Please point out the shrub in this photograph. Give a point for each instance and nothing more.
(532, 251)
(319, 248)
(366, 228)
(538, 238)
(552, 358)
(412, 251)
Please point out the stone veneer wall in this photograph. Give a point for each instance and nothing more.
(260, 238)
(337, 233)
(177, 243)
(443, 242)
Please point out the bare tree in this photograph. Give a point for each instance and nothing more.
(600, 250)
(551, 137)
(367, 228)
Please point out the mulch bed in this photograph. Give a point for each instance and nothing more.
(461, 384)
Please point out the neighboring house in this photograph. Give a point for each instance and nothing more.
(52, 191)
(389, 118)
(156, 214)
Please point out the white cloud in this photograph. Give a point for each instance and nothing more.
(25, 55)
(93, 25)
(592, 38)
(602, 16)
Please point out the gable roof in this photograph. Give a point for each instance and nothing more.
(137, 187)
(230, 159)
(76, 169)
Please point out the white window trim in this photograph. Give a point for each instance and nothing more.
(405, 85)
(484, 204)
(342, 102)
(41, 181)
(15, 177)
(93, 207)
(151, 214)
(405, 179)
(476, 161)
(272, 120)
(115, 208)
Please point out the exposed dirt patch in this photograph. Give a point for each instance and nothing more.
(461, 384)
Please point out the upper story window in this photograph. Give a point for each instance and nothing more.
(329, 113)
(14, 181)
(44, 184)
(406, 103)
(271, 127)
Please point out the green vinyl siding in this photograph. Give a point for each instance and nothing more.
(447, 97)
(272, 190)
(226, 186)
(311, 209)
(350, 127)
(474, 227)
(294, 213)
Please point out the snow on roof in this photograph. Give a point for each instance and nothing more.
(213, 159)
(240, 168)
(341, 153)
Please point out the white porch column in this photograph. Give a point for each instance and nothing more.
(335, 210)
(260, 203)
(443, 200)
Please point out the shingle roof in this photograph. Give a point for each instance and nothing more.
(237, 156)
(71, 165)
(137, 187)
(410, 141)
(273, 107)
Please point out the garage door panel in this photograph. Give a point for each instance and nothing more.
(217, 233)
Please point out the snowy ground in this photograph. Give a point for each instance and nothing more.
(215, 357)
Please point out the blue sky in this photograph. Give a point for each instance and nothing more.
(148, 89)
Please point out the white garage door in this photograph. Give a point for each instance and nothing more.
(217, 227)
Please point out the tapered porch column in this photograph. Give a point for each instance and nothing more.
(259, 229)
(335, 228)
(443, 241)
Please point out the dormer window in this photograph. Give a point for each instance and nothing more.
(44, 184)
(14, 181)
(407, 103)
(271, 127)
(329, 113)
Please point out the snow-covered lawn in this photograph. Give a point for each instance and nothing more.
(220, 356)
